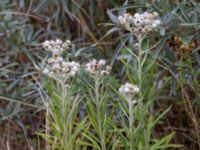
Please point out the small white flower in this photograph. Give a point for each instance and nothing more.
(128, 17)
(158, 22)
(51, 60)
(72, 73)
(75, 68)
(122, 20)
(136, 89)
(45, 71)
(58, 47)
(56, 67)
(138, 22)
(147, 21)
(102, 62)
(121, 90)
(150, 16)
(73, 63)
(146, 14)
(66, 44)
(65, 69)
(60, 59)
(136, 15)
(52, 42)
(141, 17)
(126, 90)
(54, 60)
(146, 29)
(155, 14)
(59, 42)
(55, 51)
(88, 69)
(154, 25)
(51, 74)
(65, 64)
(46, 45)
(108, 67)
(104, 72)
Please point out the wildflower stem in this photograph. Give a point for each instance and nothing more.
(130, 106)
(67, 132)
(99, 119)
(140, 60)
(47, 128)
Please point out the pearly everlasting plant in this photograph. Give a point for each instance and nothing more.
(136, 101)
(125, 117)
(97, 104)
(61, 105)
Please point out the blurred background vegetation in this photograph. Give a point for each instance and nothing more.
(25, 24)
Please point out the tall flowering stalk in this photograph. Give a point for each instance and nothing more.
(62, 131)
(139, 122)
(97, 70)
(140, 25)
(129, 91)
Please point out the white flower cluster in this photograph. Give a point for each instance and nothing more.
(139, 23)
(56, 64)
(95, 67)
(129, 89)
(71, 68)
(57, 47)
(58, 67)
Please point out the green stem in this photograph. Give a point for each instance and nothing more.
(130, 106)
(99, 120)
(140, 39)
(64, 104)
(141, 61)
(47, 126)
